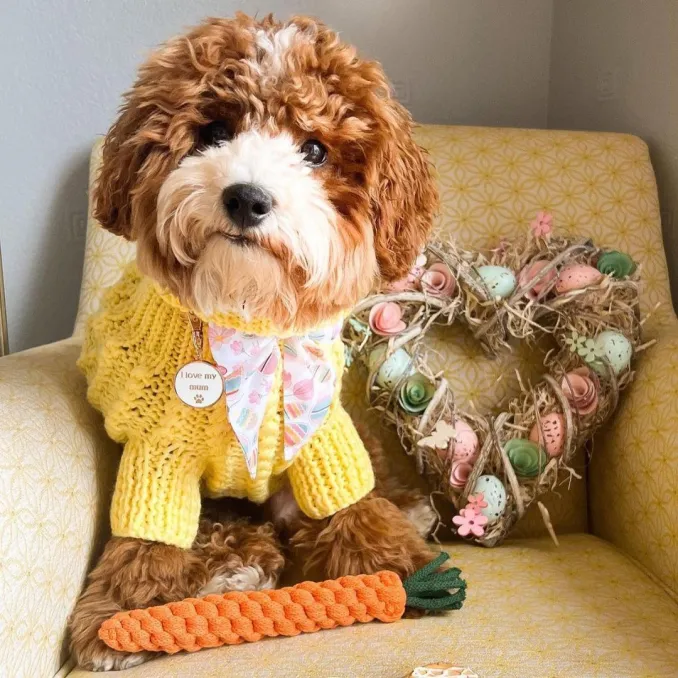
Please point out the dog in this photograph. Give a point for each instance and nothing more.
(264, 169)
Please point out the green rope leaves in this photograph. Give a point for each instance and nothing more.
(430, 589)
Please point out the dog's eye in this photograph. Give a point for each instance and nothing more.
(314, 152)
(215, 133)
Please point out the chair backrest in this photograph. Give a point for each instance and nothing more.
(106, 255)
(492, 183)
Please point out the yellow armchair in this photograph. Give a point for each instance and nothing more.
(601, 605)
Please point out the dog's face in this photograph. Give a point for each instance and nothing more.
(264, 168)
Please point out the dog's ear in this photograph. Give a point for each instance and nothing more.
(139, 150)
(404, 197)
(122, 157)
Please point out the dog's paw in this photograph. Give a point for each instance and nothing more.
(105, 659)
(245, 578)
(422, 516)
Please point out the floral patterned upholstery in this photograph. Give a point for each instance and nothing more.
(590, 608)
(57, 467)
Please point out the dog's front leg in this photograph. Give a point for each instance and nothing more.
(131, 573)
(371, 535)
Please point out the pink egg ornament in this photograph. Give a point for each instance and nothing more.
(553, 427)
(464, 445)
(530, 272)
(577, 277)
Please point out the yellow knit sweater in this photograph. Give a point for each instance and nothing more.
(132, 351)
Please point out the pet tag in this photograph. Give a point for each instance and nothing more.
(198, 384)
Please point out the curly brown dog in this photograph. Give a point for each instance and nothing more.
(263, 167)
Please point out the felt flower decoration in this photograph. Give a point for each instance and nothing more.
(470, 522)
(415, 394)
(386, 319)
(438, 281)
(476, 502)
(412, 280)
(526, 457)
(542, 225)
(580, 388)
(616, 264)
(459, 473)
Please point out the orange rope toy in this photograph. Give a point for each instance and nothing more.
(238, 617)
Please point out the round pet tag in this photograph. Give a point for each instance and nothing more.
(198, 384)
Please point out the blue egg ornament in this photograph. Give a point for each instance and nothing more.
(616, 348)
(494, 494)
(499, 280)
(396, 367)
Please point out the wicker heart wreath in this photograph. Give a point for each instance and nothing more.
(492, 467)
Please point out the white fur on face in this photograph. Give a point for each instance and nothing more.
(272, 46)
(192, 223)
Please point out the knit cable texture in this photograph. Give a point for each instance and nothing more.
(132, 351)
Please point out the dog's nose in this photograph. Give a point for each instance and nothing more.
(246, 204)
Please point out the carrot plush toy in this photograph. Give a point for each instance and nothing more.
(237, 617)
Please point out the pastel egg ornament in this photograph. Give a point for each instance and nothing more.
(498, 280)
(616, 348)
(577, 277)
(394, 368)
(494, 494)
(539, 287)
(464, 444)
(549, 432)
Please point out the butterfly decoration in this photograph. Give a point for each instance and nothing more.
(440, 437)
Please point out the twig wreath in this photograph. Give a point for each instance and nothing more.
(492, 467)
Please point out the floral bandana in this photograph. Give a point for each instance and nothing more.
(248, 364)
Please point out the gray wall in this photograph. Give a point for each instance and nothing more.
(66, 62)
(614, 67)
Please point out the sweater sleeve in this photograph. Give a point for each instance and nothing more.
(157, 495)
(333, 470)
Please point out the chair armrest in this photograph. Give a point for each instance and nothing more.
(57, 469)
(634, 468)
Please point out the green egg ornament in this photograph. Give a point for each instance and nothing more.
(394, 368)
(499, 280)
(616, 348)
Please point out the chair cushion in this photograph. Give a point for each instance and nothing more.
(583, 609)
